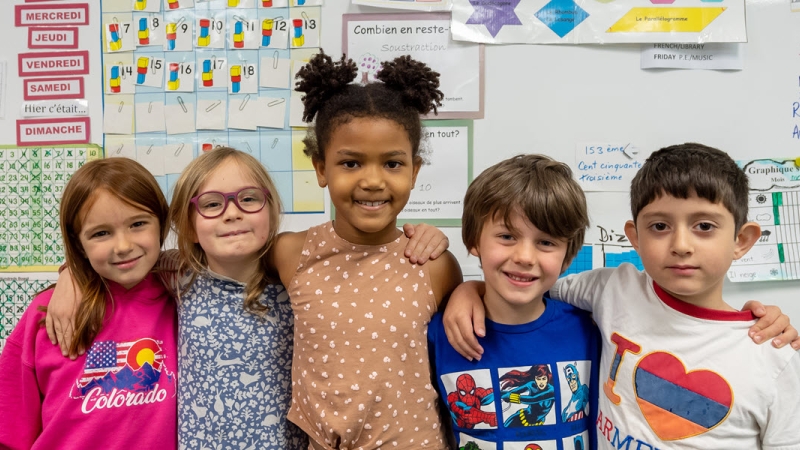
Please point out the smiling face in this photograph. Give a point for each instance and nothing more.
(370, 171)
(687, 246)
(232, 242)
(121, 242)
(519, 266)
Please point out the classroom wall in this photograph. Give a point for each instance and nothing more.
(547, 98)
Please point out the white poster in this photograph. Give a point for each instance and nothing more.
(371, 39)
(714, 56)
(438, 195)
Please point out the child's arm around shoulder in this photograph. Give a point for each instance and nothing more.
(583, 290)
(286, 253)
(445, 276)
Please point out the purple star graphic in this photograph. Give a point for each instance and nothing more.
(494, 14)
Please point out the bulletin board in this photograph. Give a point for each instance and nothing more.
(554, 99)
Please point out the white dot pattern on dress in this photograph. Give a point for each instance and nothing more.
(359, 363)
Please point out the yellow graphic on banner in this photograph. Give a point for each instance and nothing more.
(666, 20)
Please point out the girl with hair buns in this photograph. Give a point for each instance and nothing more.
(360, 373)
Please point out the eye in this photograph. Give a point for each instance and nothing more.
(659, 226)
(706, 226)
(350, 164)
(505, 237)
(548, 243)
(138, 224)
(394, 164)
(99, 234)
(211, 204)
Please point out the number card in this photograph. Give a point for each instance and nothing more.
(150, 71)
(119, 79)
(210, 32)
(304, 32)
(119, 37)
(214, 71)
(274, 33)
(243, 79)
(178, 35)
(146, 5)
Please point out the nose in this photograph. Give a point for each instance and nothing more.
(232, 211)
(525, 254)
(123, 244)
(681, 241)
(372, 178)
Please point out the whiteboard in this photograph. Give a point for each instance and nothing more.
(546, 99)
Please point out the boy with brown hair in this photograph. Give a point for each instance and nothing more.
(679, 369)
(525, 218)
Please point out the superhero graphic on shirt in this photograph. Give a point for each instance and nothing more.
(465, 403)
(578, 406)
(533, 389)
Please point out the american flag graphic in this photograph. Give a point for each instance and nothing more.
(110, 357)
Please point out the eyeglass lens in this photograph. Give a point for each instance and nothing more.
(212, 204)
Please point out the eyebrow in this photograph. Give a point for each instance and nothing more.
(693, 216)
(354, 154)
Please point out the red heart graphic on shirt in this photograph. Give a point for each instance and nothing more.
(677, 403)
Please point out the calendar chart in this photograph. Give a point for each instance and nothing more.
(31, 182)
(15, 296)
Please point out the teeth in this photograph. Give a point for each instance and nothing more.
(515, 278)
(373, 203)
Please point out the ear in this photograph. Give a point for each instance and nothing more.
(632, 234)
(474, 252)
(319, 167)
(746, 238)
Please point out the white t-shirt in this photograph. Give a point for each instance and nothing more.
(674, 375)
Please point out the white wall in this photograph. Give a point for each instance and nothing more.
(545, 99)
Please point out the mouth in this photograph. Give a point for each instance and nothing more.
(520, 278)
(128, 263)
(371, 205)
(234, 233)
(682, 269)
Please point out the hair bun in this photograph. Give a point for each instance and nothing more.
(322, 78)
(416, 82)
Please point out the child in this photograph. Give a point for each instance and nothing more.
(114, 220)
(525, 218)
(360, 374)
(677, 364)
(235, 338)
(235, 334)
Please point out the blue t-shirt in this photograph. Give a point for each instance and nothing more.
(534, 388)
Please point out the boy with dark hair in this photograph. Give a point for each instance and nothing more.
(525, 218)
(679, 369)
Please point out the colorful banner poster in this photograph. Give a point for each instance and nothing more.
(416, 5)
(775, 206)
(598, 22)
